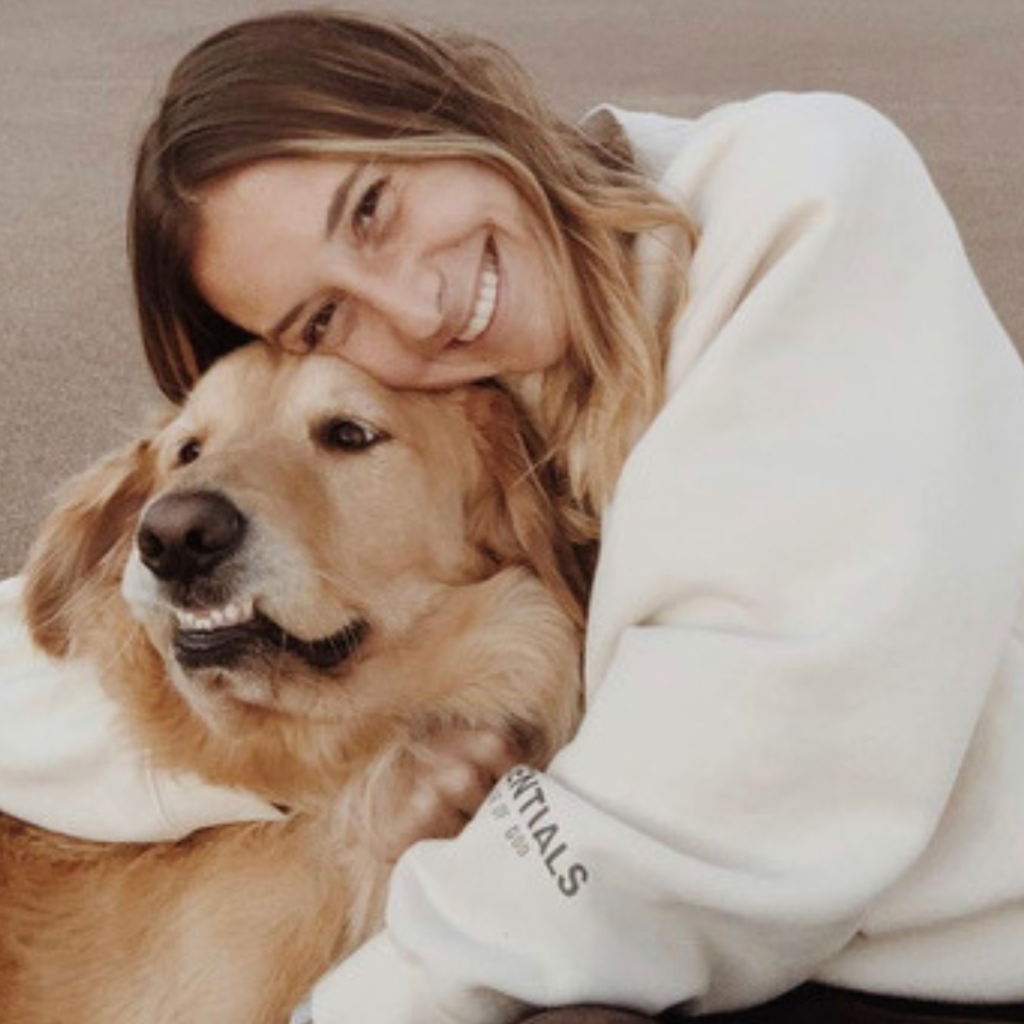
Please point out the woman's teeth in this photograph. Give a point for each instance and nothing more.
(486, 300)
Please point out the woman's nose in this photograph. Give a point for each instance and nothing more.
(407, 301)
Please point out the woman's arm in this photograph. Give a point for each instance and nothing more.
(807, 579)
(66, 763)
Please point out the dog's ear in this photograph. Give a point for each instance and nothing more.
(515, 516)
(85, 540)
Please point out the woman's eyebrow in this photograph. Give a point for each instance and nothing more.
(335, 209)
(339, 200)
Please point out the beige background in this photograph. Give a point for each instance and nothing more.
(78, 79)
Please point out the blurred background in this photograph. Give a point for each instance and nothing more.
(80, 78)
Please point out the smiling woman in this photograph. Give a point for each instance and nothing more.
(758, 366)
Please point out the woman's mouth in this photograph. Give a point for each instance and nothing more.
(486, 298)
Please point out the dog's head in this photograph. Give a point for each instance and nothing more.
(293, 521)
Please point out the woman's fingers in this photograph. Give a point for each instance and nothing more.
(452, 773)
(424, 816)
(467, 763)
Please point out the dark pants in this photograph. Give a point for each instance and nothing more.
(810, 1004)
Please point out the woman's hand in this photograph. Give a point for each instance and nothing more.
(436, 789)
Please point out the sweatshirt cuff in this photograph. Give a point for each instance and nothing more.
(381, 983)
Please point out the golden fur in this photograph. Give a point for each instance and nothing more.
(436, 536)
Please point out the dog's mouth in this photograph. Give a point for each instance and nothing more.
(222, 637)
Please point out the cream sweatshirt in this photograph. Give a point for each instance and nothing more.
(804, 744)
(803, 754)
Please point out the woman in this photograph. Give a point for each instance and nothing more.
(802, 751)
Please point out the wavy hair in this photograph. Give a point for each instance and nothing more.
(322, 84)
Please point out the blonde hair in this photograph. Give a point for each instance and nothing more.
(318, 84)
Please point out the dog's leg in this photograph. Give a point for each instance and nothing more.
(232, 926)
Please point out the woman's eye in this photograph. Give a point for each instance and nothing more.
(316, 326)
(366, 210)
(349, 435)
(188, 452)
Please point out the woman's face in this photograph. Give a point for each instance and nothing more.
(426, 274)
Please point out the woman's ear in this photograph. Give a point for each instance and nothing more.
(515, 517)
(84, 541)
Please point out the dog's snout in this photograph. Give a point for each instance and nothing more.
(186, 536)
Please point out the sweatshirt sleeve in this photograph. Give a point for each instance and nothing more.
(808, 573)
(67, 765)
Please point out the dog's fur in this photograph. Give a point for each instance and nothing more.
(435, 537)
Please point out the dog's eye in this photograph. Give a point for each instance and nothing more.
(189, 452)
(349, 435)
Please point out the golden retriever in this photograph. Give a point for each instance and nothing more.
(290, 588)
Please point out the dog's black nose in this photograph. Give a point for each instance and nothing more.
(185, 536)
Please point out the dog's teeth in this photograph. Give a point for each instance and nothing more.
(240, 612)
(232, 614)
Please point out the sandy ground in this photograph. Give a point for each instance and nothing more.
(79, 78)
